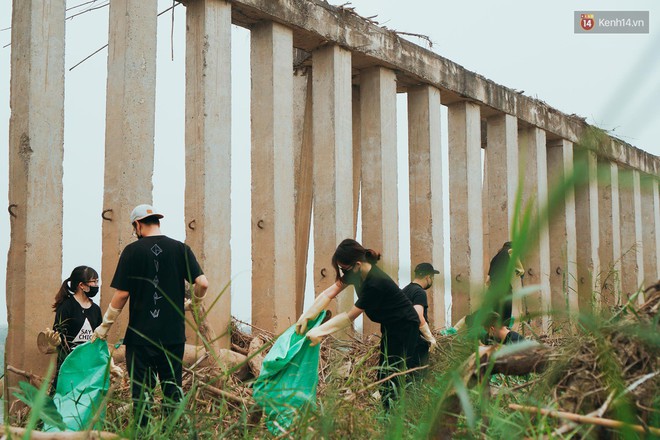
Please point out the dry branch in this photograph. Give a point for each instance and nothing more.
(609, 423)
(11, 432)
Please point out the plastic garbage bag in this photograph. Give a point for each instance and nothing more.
(82, 384)
(286, 386)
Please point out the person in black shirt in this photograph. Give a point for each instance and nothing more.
(416, 293)
(152, 271)
(499, 281)
(496, 329)
(76, 316)
(381, 300)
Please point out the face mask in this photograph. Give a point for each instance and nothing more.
(93, 290)
(353, 277)
(428, 286)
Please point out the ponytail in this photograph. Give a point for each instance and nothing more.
(63, 293)
(372, 256)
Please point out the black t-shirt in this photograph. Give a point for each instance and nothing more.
(382, 300)
(417, 296)
(512, 337)
(75, 323)
(153, 270)
(497, 273)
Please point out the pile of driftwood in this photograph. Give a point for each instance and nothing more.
(605, 364)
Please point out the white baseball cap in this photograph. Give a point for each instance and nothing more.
(143, 211)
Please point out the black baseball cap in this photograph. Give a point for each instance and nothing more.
(424, 269)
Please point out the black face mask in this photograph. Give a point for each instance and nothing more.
(428, 286)
(93, 290)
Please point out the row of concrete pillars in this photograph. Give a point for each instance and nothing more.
(323, 138)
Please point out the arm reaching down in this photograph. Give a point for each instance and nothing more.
(320, 303)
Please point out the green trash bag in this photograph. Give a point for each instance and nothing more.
(82, 383)
(286, 386)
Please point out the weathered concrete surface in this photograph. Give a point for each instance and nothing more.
(316, 23)
(532, 147)
(36, 136)
(273, 198)
(129, 131)
(426, 196)
(332, 136)
(380, 213)
(208, 151)
(609, 249)
(465, 208)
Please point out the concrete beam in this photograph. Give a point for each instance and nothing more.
(465, 208)
(332, 135)
(36, 138)
(380, 228)
(656, 216)
(208, 151)
(273, 199)
(316, 23)
(129, 130)
(639, 238)
(609, 249)
(426, 195)
(532, 145)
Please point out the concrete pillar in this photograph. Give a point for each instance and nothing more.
(332, 134)
(425, 175)
(465, 208)
(273, 201)
(571, 271)
(649, 229)
(609, 249)
(501, 182)
(656, 216)
(36, 133)
(561, 232)
(208, 151)
(502, 179)
(630, 247)
(357, 154)
(380, 213)
(129, 131)
(302, 116)
(586, 222)
(532, 144)
(639, 238)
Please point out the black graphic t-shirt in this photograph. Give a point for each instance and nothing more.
(382, 300)
(75, 323)
(153, 270)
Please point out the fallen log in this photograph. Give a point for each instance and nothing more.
(609, 423)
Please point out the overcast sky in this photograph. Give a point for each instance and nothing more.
(612, 80)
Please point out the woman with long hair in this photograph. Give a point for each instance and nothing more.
(381, 300)
(76, 315)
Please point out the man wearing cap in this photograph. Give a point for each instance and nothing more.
(416, 293)
(152, 272)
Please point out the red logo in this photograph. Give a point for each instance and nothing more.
(587, 21)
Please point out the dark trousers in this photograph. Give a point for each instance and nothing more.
(398, 352)
(145, 363)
